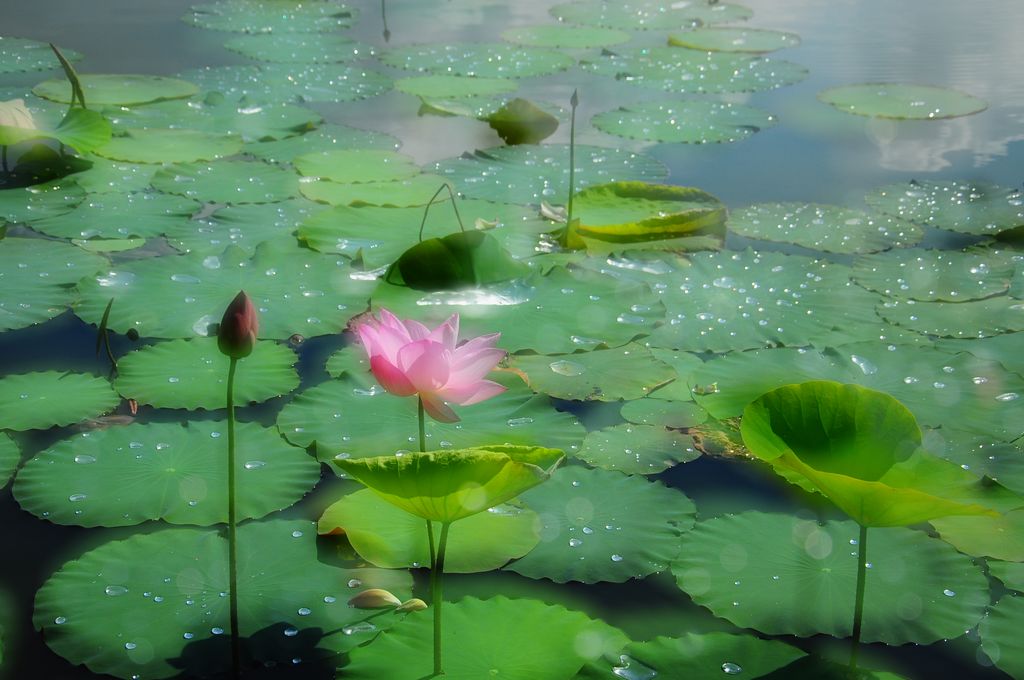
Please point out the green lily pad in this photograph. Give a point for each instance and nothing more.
(663, 413)
(36, 279)
(36, 401)
(142, 605)
(459, 261)
(759, 570)
(483, 60)
(356, 165)
(169, 146)
(443, 86)
(109, 245)
(998, 537)
(971, 319)
(325, 137)
(628, 372)
(404, 193)
(829, 228)
(270, 16)
(178, 473)
(243, 226)
(565, 37)
(512, 639)
(683, 71)
(902, 101)
(107, 177)
(980, 455)
(1003, 348)
(117, 215)
(392, 538)
(637, 449)
(117, 90)
(1010, 573)
(732, 39)
(228, 182)
(19, 55)
(977, 208)
(334, 415)
(298, 48)
(688, 122)
(931, 275)
(10, 456)
(1000, 635)
(276, 83)
(510, 174)
(38, 201)
(193, 373)
(648, 14)
(598, 525)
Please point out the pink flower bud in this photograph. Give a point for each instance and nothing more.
(238, 328)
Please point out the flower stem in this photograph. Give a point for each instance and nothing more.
(858, 610)
(232, 539)
(436, 576)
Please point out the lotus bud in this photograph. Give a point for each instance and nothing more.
(413, 605)
(15, 114)
(374, 598)
(237, 333)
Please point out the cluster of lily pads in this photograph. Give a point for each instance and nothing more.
(637, 341)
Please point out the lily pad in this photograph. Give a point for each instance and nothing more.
(997, 537)
(243, 226)
(1000, 635)
(228, 182)
(531, 174)
(1010, 573)
(323, 138)
(19, 55)
(107, 177)
(117, 90)
(36, 279)
(193, 374)
(444, 86)
(902, 101)
(169, 146)
(637, 449)
(295, 291)
(733, 39)
(36, 401)
(334, 415)
(628, 372)
(119, 215)
(987, 459)
(977, 208)
(680, 71)
(268, 16)
(276, 83)
(484, 60)
(663, 412)
(971, 319)
(299, 48)
(690, 122)
(598, 525)
(411, 191)
(830, 228)
(648, 14)
(356, 165)
(178, 473)
(513, 639)
(565, 37)
(1003, 348)
(143, 605)
(931, 275)
(38, 201)
(10, 456)
(392, 538)
(758, 571)
(459, 261)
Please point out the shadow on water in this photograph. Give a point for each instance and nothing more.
(277, 651)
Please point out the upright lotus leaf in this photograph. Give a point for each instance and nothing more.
(845, 439)
(82, 129)
(522, 122)
(465, 259)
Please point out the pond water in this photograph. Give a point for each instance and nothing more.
(879, 248)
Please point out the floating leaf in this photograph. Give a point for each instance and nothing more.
(20, 55)
(193, 373)
(977, 208)
(146, 605)
(465, 259)
(759, 570)
(637, 449)
(392, 538)
(412, 191)
(971, 319)
(228, 182)
(178, 473)
(902, 101)
(106, 176)
(513, 639)
(690, 122)
(628, 372)
(299, 48)
(731, 39)
(566, 37)
(268, 16)
(38, 201)
(1003, 348)
(829, 228)
(323, 138)
(356, 165)
(117, 90)
(10, 456)
(118, 215)
(649, 15)
(36, 401)
(169, 146)
(242, 226)
(1000, 635)
(276, 83)
(598, 525)
(1010, 573)
(520, 121)
(484, 60)
(999, 537)
(443, 86)
(947, 275)
(663, 412)
(986, 459)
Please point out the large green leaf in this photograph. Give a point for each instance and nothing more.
(694, 121)
(193, 374)
(978, 208)
(228, 182)
(10, 456)
(459, 261)
(106, 177)
(999, 537)
(648, 14)
(637, 449)
(325, 137)
(970, 319)
(34, 401)
(21, 54)
(734, 39)
(154, 605)
(175, 472)
(484, 60)
(947, 275)
(38, 201)
(356, 165)
(448, 485)
(628, 372)
(120, 215)
(446, 86)
(117, 90)
(389, 537)
(243, 226)
(169, 146)
(411, 191)
(271, 16)
(298, 48)
(1000, 635)
(565, 37)
(1003, 348)
(268, 84)
(902, 101)
(598, 525)
(761, 571)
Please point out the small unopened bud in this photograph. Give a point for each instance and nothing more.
(374, 598)
(413, 605)
(237, 333)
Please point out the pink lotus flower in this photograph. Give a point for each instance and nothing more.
(407, 358)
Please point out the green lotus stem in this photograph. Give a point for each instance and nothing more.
(236, 655)
(858, 610)
(436, 576)
(572, 158)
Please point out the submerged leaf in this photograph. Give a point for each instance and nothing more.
(520, 121)
(465, 259)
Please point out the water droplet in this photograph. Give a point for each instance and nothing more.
(188, 636)
(254, 464)
(363, 627)
(114, 591)
(76, 497)
(60, 620)
(616, 558)
(354, 583)
(949, 593)
(575, 542)
(517, 422)
(291, 632)
(129, 645)
(84, 459)
(304, 611)
(1008, 396)
(567, 368)
(731, 668)
(865, 366)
